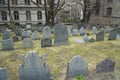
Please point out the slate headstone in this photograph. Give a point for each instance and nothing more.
(35, 35)
(105, 66)
(7, 44)
(5, 35)
(82, 31)
(60, 34)
(75, 26)
(94, 29)
(3, 74)
(91, 40)
(18, 31)
(25, 34)
(100, 36)
(27, 43)
(75, 32)
(112, 35)
(85, 38)
(77, 66)
(33, 67)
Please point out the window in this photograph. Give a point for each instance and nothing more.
(4, 15)
(110, 1)
(39, 15)
(27, 1)
(16, 15)
(2, 1)
(14, 2)
(109, 11)
(28, 15)
(38, 1)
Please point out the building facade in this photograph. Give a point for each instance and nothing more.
(105, 11)
(22, 11)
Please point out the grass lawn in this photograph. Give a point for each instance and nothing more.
(58, 56)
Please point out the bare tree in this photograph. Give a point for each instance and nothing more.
(51, 7)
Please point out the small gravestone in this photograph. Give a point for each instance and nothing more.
(15, 39)
(91, 40)
(5, 35)
(29, 32)
(77, 66)
(75, 32)
(102, 29)
(3, 74)
(112, 35)
(100, 36)
(33, 67)
(7, 44)
(40, 28)
(85, 38)
(46, 39)
(35, 35)
(94, 29)
(60, 34)
(18, 31)
(74, 26)
(27, 43)
(82, 31)
(25, 34)
(105, 66)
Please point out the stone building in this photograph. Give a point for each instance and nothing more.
(22, 11)
(105, 11)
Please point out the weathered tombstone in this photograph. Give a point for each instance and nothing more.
(85, 38)
(29, 32)
(60, 34)
(7, 44)
(18, 31)
(94, 29)
(46, 39)
(105, 66)
(112, 35)
(15, 39)
(75, 26)
(5, 35)
(77, 66)
(82, 31)
(27, 43)
(100, 36)
(40, 28)
(35, 35)
(75, 32)
(33, 67)
(102, 29)
(91, 40)
(3, 74)
(8, 31)
(25, 34)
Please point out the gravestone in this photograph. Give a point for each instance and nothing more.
(82, 31)
(60, 34)
(40, 28)
(27, 43)
(85, 38)
(77, 66)
(3, 74)
(100, 36)
(94, 29)
(75, 32)
(5, 35)
(105, 66)
(107, 29)
(112, 35)
(46, 39)
(75, 26)
(91, 40)
(33, 67)
(118, 36)
(18, 31)
(35, 35)
(15, 39)
(29, 32)
(7, 44)
(25, 34)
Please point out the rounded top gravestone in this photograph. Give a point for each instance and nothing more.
(94, 29)
(46, 32)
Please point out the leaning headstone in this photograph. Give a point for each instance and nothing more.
(7, 44)
(77, 66)
(33, 67)
(100, 36)
(46, 39)
(27, 43)
(105, 66)
(60, 34)
(3, 74)
(35, 35)
(5, 35)
(82, 31)
(75, 32)
(25, 34)
(112, 35)
(85, 38)
(94, 29)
